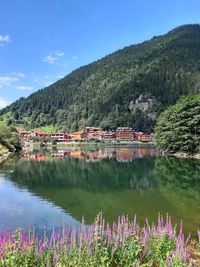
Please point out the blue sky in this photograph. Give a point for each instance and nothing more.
(43, 40)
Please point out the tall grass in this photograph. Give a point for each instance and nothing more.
(124, 243)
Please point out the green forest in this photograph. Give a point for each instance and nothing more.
(130, 87)
(178, 128)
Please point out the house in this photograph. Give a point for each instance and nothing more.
(59, 136)
(77, 135)
(110, 135)
(24, 134)
(39, 134)
(125, 133)
(93, 133)
(140, 136)
(91, 130)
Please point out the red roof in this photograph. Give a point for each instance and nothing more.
(40, 132)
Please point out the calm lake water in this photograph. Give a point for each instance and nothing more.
(49, 188)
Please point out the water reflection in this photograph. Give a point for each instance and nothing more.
(20, 208)
(113, 180)
(121, 154)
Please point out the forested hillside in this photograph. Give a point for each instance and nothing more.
(127, 88)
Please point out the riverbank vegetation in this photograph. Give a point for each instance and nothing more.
(124, 243)
(178, 128)
(4, 153)
(9, 138)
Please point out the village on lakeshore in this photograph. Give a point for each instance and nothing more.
(121, 134)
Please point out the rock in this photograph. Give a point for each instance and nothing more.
(144, 104)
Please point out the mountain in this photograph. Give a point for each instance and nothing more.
(127, 88)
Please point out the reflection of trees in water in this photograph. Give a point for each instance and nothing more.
(105, 175)
(175, 172)
(179, 181)
(77, 173)
(79, 187)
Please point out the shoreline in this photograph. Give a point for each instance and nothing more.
(182, 155)
(122, 143)
(187, 155)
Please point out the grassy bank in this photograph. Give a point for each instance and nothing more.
(122, 244)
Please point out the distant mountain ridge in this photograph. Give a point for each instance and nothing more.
(112, 91)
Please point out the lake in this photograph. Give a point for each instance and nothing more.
(52, 187)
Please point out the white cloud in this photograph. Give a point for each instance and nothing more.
(4, 38)
(3, 103)
(24, 88)
(53, 57)
(10, 79)
(50, 59)
(19, 74)
(59, 53)
(74, 57)
(7, 80)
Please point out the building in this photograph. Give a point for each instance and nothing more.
(77, 135)
(110, 135)
(59, 136)
(91, 130)
(125, 133)
(24, 134)
(93, 133)
(140, 136)
(39, 134)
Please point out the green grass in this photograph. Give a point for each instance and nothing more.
(47, 128)
(4, 118)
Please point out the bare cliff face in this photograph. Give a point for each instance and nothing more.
(145, 104)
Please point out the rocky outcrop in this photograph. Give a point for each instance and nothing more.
(144, 104)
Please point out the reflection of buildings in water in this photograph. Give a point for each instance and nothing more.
(98, 155)
(59, 154)
(77, 154)
(36, 157)
(124, 155)
(120, 154)
(127, 154)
